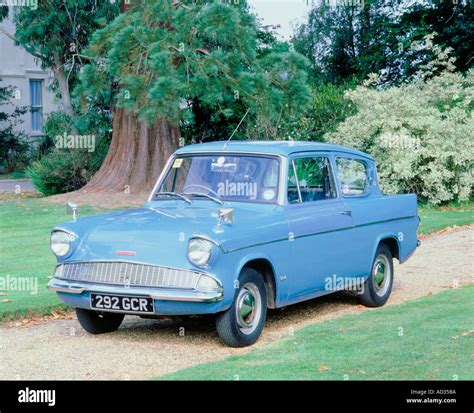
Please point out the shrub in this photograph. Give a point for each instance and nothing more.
(14, 148)
(420, 133)
(63, 170)
(59, 171)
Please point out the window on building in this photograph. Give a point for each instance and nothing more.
(36, 104)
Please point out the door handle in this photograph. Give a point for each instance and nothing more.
(348, 212)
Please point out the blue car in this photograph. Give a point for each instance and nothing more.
(233, 229)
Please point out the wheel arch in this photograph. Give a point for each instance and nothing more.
(392, 243)
(265, 268)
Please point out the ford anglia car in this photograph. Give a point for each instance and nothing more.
(233, 229)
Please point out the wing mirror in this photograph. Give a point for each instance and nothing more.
(224, 216)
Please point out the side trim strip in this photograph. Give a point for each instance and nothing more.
(322, 232)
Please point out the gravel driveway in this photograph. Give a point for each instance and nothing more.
(141, 349)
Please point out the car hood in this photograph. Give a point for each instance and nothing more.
(167, 226)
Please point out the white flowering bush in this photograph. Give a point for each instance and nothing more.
(420, 133)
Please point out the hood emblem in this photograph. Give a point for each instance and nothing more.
(125, 253)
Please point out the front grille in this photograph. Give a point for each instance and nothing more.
(128, 274)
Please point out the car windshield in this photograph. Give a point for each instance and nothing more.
(223, 177)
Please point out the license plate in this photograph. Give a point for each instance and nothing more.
(122, 303)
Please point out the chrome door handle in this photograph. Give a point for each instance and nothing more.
(347, 212)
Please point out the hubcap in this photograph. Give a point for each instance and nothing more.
(249, 308)
(381, 275)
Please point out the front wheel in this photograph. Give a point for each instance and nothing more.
(242, 324)
(99, 323)
(378, 286)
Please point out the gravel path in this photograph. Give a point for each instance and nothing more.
(141, 349)
(16, 185)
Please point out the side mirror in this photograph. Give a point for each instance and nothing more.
(224, 216)
(72, 209)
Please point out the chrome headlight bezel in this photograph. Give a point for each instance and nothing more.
(200, 251)
(61, 242)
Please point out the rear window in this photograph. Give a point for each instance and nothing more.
(352, 175)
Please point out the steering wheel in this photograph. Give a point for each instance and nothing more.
(201, 187)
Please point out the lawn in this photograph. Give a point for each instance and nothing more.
(436, 218)
(431, 338)
(26, 222)
(25, 227)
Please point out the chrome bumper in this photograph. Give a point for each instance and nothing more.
(174, 294)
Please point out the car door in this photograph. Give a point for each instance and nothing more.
(319, 222)
(356, 178)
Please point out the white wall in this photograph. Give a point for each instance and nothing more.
(17, 67)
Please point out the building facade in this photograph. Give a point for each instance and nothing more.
(32, 84)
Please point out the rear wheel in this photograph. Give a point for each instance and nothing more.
(242, 324)
(99, 323)
(378, 286)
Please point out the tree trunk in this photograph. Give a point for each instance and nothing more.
(136, 156)
(365, 28)
(63, 84)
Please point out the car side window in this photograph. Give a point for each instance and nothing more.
(310, 180)
(352, 175)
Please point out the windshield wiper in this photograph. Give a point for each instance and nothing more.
(213, 198)
(181, 196)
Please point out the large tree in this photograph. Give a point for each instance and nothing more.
(56, 31)
(355, 38)
(189, 62)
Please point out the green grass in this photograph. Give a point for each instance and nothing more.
(436, 218)
(418, 340)
(25, 227)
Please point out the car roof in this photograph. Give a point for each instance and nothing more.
(284, 148)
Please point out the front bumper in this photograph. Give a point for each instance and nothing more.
(165, 294)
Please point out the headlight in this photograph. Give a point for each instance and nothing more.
(199, 251)
(61, 243)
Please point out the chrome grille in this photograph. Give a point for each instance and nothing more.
(128, 273)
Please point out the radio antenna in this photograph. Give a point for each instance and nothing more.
(235, 130)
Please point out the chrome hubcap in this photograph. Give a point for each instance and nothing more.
(381, 275)
(249, 308)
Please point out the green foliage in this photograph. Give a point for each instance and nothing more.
(347, 40)
(63, 170)
(420, 133)
(453, 21)
(195, 63)
(327, 110)
(60, 171)
(330, 108)
(58, 30)
(354, 39)
(3, 12)
(14, 150)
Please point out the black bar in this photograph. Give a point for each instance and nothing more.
(226, 396)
